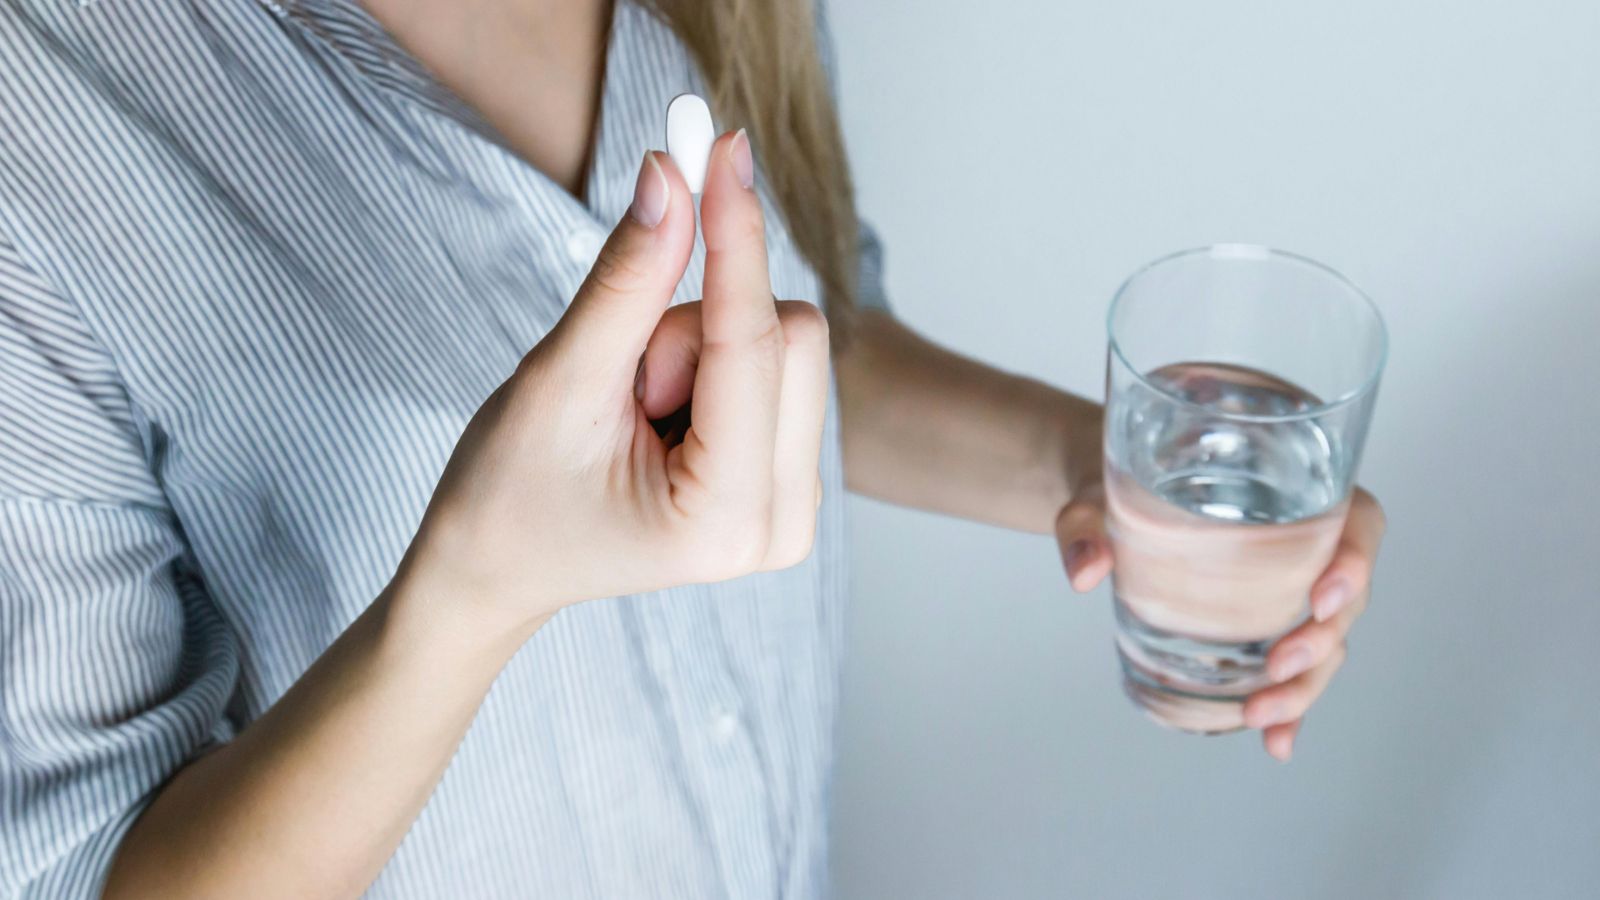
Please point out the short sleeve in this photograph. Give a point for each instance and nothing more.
(869, 271)
(115, 669)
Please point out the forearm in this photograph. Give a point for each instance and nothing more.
(928, 428)
(312, 799)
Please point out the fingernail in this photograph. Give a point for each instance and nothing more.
(1283, 752)
(650, 193)
(1293, 663)
(744, 165)
(1331, 601)
(1076, 552)
(638, 381)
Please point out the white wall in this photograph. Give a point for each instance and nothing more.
(1446, 156)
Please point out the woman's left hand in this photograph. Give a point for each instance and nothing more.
(1303, 661)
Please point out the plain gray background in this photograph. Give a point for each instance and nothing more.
(1019, 158)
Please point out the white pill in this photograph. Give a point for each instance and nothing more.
(689, 138)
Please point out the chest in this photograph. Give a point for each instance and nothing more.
(310, 268)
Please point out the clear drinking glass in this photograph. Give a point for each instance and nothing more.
(1239, 385)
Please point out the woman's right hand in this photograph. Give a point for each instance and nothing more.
(561, 490)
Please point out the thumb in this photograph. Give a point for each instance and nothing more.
(609, 321)
(1081, 533)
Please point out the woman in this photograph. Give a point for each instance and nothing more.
(265, 546)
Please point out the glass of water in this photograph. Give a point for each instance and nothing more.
(1239, 385)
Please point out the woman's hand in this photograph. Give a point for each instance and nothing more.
(562, 490)
(1303, 661)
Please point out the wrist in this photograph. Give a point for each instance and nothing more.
(433, 603)
(1074, 452)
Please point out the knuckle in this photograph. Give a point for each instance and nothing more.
(751, 228)
(1078, 517)
(748, 545)
(1299, 701)
(1357, 568)
(739, 229)
(1349, 562)
(730, 546)
(803, 323)
(1318, 637)
(767, 348)
(793, 547)
(614, 272)
(799, 550)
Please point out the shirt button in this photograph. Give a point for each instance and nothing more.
(584, 245)
(724, 725)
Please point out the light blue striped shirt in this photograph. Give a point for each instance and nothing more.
(257, 270)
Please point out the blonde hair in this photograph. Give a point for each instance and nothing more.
(761, 61)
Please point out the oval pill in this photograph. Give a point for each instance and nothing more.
(690, 135)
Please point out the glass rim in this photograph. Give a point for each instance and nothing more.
(1258, 253)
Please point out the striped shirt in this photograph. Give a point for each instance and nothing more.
(257, 270)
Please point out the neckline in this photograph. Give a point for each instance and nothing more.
(350, 30)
